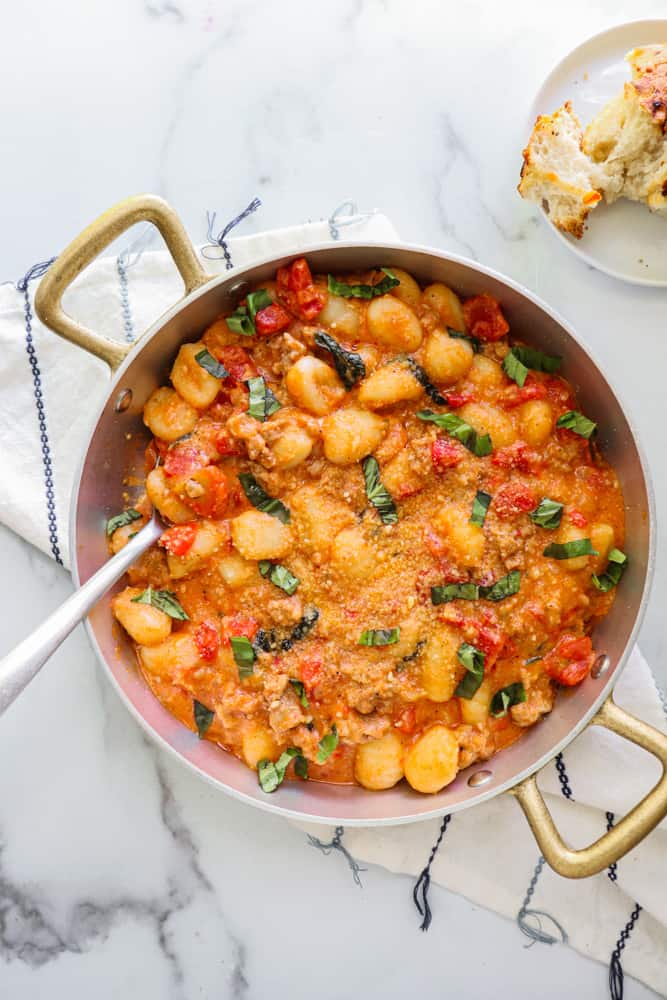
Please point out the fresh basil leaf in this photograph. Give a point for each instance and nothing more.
(240, 322)
(616, 563)
(478, 444)
(163, 600)
(425, 382)
(350, 366)
(211, 365)
(474, 342)
(577, 423)
(203, 718)
(260, 499)
(480, 506)
(270, 775)
(300, 691)
(519, 359)
(327, 745)
(244, 655)
(379, 637)
(301, 767)
(279, 576)
(569, 550)
(120, 520)
(256, 301)
(376, 492)
(513, 694)
(363, 291)
(261, 401)
(301, 629)
(473, 660)
(502, 588)
(454, 592)
(547, 514)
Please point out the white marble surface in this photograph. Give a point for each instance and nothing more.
(119, 871)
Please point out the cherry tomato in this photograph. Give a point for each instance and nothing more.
(226, 445)
(183, 459)
(484, 318)
(512, 499)
(273, 319)
(406, 720)
(239, 624)
(311, 673)
(570, 660)
(531, 389)
(491, 640)
(178, 540)
(577, 518)
(207, 640)
(445, 454)
(457, 399)
(517, 456)
(559, 393)
(295, 288)
(238, 362)
(211, 491)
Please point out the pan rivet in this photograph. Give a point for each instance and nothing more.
(123, 400)
(479, 778)
(601, 665)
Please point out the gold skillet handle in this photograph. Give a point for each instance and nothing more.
(628, 832)
(88, 244)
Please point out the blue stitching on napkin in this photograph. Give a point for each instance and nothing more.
(218, 242)
(536, 933)
(423, 883)
(336, 844)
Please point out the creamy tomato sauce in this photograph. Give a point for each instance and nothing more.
(392, 533)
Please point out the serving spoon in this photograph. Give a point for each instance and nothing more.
(19, 667)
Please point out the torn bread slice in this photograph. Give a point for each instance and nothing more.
(557, 174)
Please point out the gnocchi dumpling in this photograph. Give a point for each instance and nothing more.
(446, 359)
(440, 668)
(145, 624)
(446, 304)
(535, 421)
(393, 383)
(391, 323)
(433, 761)
(463, 539)
(197, 386)
(489, 419)
(257, 535)
(379, 763)
(167, 415)
(315, 386)
(351, 434)
(164, 499)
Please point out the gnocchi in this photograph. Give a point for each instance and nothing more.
(433, 761)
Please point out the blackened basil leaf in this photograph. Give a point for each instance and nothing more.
(513, 694)
(616, 563)
(409, 657)
(425, 382)
(206, 361)
(255, 301)
(270, 774)
(363, 291)
(376, 492)
(300, 691)
(260, 499)
(480, 506)
(163, 600)
(244, 655)
(502, 588)
(120, 520)
(569, 550)
(279, 576)
(547, 514)
(240, 322)
(474, 342)
(473, 660)
(577, 423)
(379, 637)
(261, 402)
(520, 359)
(454, 592)
(301, 629)
(327, 745)
(478, 444)
(350, 366)
(203, 718)
(301, 767)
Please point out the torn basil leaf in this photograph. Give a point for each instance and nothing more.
(270, 775)
(261, 401)
(376, 492)
(474, 342)
(327, 745)
(211, 365)
(547, 514)
(260, 499)
(479, 444)
(473, 660)
(300, 691)
(363, 291)
(163, 600)
(120, 520)
(301, 767)
(279, 576)
(454, 592)
(480, 506)
(570, 550)
(616, 563)
(425, 382)
(506, 586)
(379, 637)
(513, 694)
(577, 423)
(350, 366)
(244, 655)
(240, 322)
(519, 359)
(203, 717)
(256, 301)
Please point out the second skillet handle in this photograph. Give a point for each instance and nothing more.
(88, 244)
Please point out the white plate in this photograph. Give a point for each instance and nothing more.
(624, 240)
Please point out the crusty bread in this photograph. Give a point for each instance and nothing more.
(557, 174)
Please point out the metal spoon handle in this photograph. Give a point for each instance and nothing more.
(19, 667)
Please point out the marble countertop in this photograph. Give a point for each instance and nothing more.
(120, 872)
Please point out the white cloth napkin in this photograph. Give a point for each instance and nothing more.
(487, 853)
